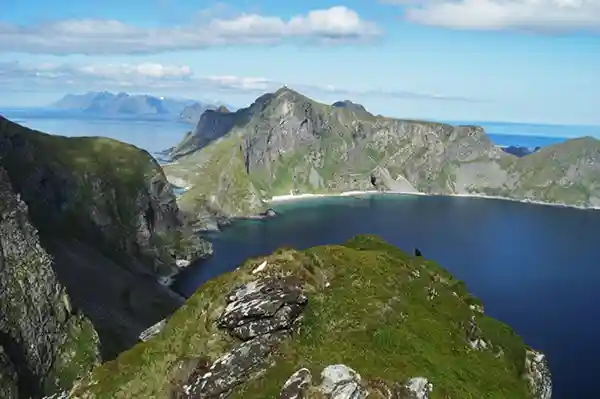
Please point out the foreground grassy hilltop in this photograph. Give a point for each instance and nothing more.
(285, 142)
(278, 325)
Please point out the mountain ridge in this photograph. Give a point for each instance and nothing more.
(284, 143)
(108, 104)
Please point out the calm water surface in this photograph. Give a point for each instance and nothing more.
(535, 267)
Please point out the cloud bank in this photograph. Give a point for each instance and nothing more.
(542, 16)
(154, 78)
(334, 25)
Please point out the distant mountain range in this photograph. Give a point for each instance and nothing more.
(107, 104)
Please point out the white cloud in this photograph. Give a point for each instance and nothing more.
(153, 78)
(90, 36)
(522, 15)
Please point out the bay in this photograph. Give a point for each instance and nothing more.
(535, 267)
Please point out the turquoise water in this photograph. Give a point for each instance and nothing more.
(535, 267)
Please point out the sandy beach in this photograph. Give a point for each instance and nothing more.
(298, 197)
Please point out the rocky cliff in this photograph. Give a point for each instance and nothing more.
(45, 343)
(108, 221)
(343, 321)
(285, 142)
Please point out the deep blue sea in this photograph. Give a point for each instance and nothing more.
(535, 267)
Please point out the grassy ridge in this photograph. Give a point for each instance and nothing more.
(368, 308)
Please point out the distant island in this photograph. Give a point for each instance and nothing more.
(124, 105)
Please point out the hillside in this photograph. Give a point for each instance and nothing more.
(88, 226)
(334, 321)
(108, 104)
(287, 143)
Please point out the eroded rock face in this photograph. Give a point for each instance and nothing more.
(37, 318)
(116, 197)
(9, 388)
(341, 382)
(263, 306)
(233, 368)
(416, 388)
(260, 314)
(296, 386)
(538, 375)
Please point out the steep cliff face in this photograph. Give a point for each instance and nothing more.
(109, 219)
(98, 190)
(342, 321)
(285, 142)
(212, 125)
(45, 344)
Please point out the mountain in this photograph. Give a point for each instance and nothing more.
(287, 143)
(361, 319)
(193, 112)
(122, 104)
(89, 228)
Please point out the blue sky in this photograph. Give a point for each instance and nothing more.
(501, 60)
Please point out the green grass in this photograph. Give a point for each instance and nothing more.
(75, 357)
(374, 317)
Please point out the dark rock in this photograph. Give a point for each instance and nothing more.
(418, 252)
(263, 306)
(233, 368)
(9, 388)
(38, 324)
(296, 386)
(269, 213)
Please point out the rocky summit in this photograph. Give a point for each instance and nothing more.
(287, 143)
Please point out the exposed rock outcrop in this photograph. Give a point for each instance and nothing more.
(261, 314)
(46, 342)
(537, 373)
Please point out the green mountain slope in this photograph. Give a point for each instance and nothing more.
(285, 142)
(87, 225)
(403, 323)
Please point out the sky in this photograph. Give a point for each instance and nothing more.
(534, 61)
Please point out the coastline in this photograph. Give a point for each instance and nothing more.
(298, 197)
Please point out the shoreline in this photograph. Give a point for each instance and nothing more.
(299, 197)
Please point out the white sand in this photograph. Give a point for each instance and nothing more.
(296, 197)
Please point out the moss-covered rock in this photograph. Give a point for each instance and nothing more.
(39, 329)
(402, 322)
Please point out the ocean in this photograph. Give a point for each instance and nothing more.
(535, 267)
